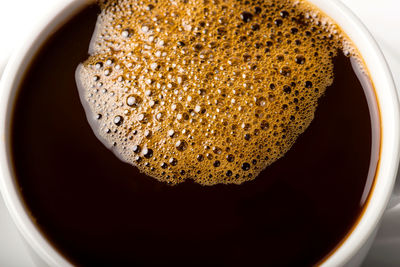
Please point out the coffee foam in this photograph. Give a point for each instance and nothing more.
(213, 91)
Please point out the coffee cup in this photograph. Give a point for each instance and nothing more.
(351, 251)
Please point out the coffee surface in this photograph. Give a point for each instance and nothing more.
(212, 91)
(100, 211)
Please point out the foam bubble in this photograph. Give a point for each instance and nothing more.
(213, 91)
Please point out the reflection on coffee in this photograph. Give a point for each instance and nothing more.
(212, 91)
(97, 210)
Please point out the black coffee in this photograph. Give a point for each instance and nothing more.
(98, 211)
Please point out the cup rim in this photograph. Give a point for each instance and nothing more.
(380, 74)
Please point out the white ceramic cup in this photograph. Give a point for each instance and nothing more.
(350, 252)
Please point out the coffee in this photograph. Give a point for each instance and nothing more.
(181, 95)
(97, 210)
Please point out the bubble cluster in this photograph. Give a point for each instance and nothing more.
(209, 90)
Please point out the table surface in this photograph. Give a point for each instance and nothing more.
(18, 17)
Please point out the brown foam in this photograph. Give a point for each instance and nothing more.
(213, 91)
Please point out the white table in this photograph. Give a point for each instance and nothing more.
(18, 17)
